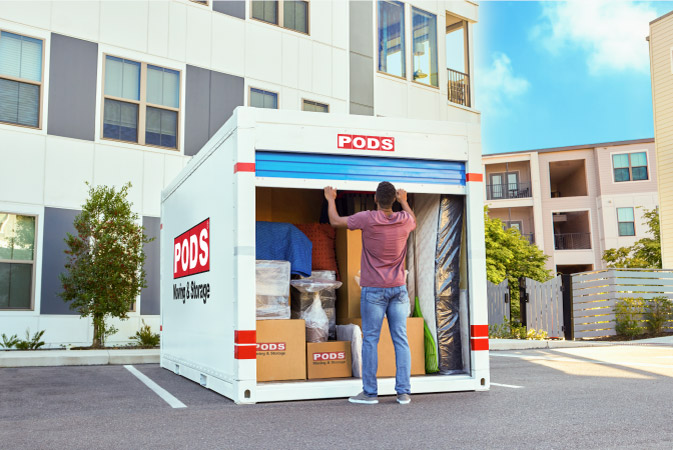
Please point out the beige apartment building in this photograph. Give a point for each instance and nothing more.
(574, 202)
(661, 71)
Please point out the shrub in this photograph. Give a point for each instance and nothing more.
(658, 311)
(145, 337)
(514, 330)
(628, 316)
(9, 342)
(31, 343)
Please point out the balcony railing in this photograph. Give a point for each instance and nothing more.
(459, 87)
(507, 190)
(572, 241)
(529, 236)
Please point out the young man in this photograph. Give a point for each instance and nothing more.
(384, 291)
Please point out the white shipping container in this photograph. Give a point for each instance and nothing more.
(208, 220)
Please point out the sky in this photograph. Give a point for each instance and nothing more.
(552, 74)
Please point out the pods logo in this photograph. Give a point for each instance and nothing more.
(330, 356)
(191, 251)
(355, 142)
(271, 347)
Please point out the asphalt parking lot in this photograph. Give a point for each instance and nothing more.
(607, 397)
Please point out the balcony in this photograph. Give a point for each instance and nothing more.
(530, 237)
(459, 87)
(572, 241)
(508, 190)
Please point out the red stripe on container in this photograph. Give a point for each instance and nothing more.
(244, 167)
(245, 351)
(245, 337)
(474, 177)
(479, 344)
(161, 328)
(479, 331)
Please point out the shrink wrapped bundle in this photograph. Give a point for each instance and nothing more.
(272, 287)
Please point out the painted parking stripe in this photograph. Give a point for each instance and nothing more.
(161, 392)
(507, 385)
(606, 363)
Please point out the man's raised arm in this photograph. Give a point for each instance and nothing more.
(402, 199)
(334, 218)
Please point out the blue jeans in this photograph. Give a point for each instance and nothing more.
(374, 304)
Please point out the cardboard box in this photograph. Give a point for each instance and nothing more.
(348, 253)
(387, 349)
(330, 359)
(281, 350)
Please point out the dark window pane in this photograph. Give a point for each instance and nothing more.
(639, 173)
(627, 229)
(120, 121)
(622, 175)
(15, 285)
(266, 11)
(295, 15)
(161, 127)
(19, 103)
(263, 99)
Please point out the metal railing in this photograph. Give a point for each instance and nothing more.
(529, 236)
(507, 190)
(459, 87)
(572, 241)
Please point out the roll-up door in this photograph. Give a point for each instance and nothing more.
(359, 168)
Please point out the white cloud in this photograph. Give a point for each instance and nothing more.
(612, 33)
(497, 85)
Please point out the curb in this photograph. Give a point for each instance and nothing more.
(50, 358)
(520, 344)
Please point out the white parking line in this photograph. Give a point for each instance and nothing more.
(556, 359)
(161, 392)
(507, 385)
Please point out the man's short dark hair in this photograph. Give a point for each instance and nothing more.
(386, 194)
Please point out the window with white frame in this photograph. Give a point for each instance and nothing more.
(20, 79)
(263, 99)
(17, 260)
(630, 166)
(424, 35)
(309, 105)
(141, 103)
(290, 14)
(391, 38)
(626, 222)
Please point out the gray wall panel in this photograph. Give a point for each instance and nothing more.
(197, 107)
(149, 297)
(72, 87)
(226, 93)
(57, 222)
(361, 19)
(361, 80)
(234, 8)
(361, 110)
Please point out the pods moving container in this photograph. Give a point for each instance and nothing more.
(272, 165)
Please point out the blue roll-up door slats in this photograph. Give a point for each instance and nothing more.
(358, 168)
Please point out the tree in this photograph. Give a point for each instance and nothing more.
(645, 253)
(511, 256)
(104, 269)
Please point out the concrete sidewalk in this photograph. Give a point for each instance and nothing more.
(522, 344)
(44, 358)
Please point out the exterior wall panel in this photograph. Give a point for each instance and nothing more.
(149, 297)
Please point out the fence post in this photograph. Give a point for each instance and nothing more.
(523, 299)
(568, 325)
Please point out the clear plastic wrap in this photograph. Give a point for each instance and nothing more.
(309, 293)
(302, 300)
(272, 287)
(352, 333)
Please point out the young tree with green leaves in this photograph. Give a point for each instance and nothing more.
(511, 256)
(645, 253)
(104, 271)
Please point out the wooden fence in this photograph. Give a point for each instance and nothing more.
(544, 306)
(595, 295)
(498, 302)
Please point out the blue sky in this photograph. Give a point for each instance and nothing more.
(551, 74)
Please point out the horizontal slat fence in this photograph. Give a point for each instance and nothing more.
(595, 295)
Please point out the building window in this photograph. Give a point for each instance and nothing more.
(626, 222)
(309, 105)
(263, 99)
(17, 258)
(291, 14)
(20, 79)
(141, 103)
(425, 47)
(630, 166)
(391, 38)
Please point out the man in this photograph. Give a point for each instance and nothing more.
(384, 291)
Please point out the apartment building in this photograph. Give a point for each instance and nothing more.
(575, 202)
(661, 73)
(110, 92)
